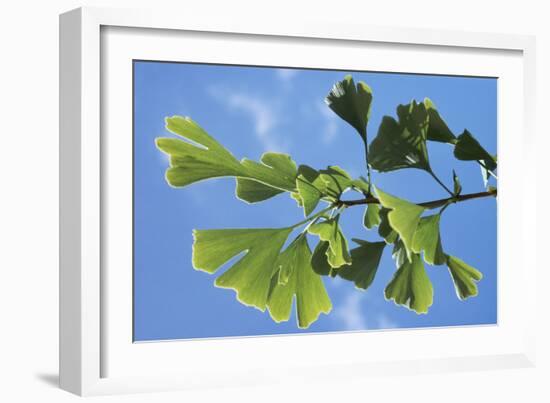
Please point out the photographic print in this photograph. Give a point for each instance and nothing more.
(273, 200)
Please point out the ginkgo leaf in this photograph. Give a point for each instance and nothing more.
(319, 261)
(403, 217)
(352, 103)
(311, 188)
(204, 158)
(372, 215)
(362, 185)
(401, 144)
(253, 191)
(384, 228)
(467, 148)
(437, 128)
(364, 263)
(411, 286)
(464, 277)
(336, 179)
(311, 296)
(399, 253)
(337, 252)
(427, 239)
(251, 275)
(190, 163)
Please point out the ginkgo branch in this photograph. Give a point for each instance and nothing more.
(429, 204)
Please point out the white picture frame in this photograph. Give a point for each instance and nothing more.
(97, 355)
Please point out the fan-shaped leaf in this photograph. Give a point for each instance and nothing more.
(205, 158)
(364, 263)
(437, 128)
(311, 296)
(311, 188)
(467, 148)
(411, 286)
(372, 215)
(319, 261)
(403, 217)
(337, 252)
(352, 103)
(384, 229)
(427, 239)
(251, 275)
(464, 277)
(401, 144)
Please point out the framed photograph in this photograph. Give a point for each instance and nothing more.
(246, 202)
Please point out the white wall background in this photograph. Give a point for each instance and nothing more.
(29, 197)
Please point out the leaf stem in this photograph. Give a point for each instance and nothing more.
(314, 216)
(429, 204)
(369, 176)
(440, 182)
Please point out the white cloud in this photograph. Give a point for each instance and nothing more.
(260, 110)
(384, 322)
(330, 125)
(349, 313)
(286, 75)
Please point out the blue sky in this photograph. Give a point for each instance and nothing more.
(251, 110)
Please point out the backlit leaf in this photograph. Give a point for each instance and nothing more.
(251, 275)
(464, 277)
(401, 144)
(437, 128)
(467, 148)
(337, 252)
(311, 188)
(384, 229)
(336, 179)
(319, 261)
(411, 286)
(202, 157)
(252, 191)
(352, 103)
(403, 217)
(365, 260)
(427, 239)
(308, 288)
(372, 215)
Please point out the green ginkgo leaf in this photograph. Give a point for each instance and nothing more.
(403, 217)
(464, 277)
(384, 228)
(437, 128)
(467, 148)
(319, 261)
(253, 191)
(329, 231)
(251, 275)
(361, 185)
(191, 163)
(337, 180)
(365, 260)
(301, 282)
(352, 103)
(411, 286)
(372, 216)
(427, 239)
(401, 144)
(204, 158)
(311, 188)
